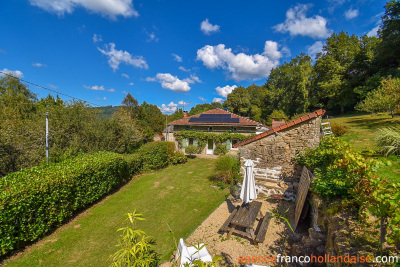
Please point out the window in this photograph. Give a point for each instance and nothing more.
(234, 141)
(234, 129)
(191, 141)
(209, 129)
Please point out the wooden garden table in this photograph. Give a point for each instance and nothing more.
(244, 220)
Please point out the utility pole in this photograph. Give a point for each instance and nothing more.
(47, 138)
(166, 127)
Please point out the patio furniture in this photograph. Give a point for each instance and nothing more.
(248, 192)
(190, 254)
(263, 228)
(243, 220)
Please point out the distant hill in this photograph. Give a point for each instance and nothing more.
(107, 111)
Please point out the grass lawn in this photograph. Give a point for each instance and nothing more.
(362, 130)
(180, 195)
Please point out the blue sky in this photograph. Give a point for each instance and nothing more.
(166, 52)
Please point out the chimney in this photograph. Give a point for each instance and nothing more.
(277, 123)
(185, 114)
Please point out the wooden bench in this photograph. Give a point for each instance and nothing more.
(224, 227)
(263, 228)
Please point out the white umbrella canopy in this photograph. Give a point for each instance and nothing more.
(248, 193)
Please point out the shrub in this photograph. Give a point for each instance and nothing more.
(36, 200)
(227, 169)
(191, 149)
(177, 158)
(338, 168)
(220, 149)
(154, 155)
(136, 248)
(338, 129)
(388, 140)
(134, 162)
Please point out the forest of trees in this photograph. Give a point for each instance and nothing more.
(74, 127)
(351, 73)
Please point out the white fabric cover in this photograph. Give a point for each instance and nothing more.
(248, 192)
(189, 254)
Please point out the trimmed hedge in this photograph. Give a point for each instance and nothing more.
(34, 201)
(157, 155)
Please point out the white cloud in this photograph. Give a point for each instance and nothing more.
(225, 91)
(107, 8)
(125, 75)
(202, 99)
(315, 48)
(97, 38)
(15, 73)
(170, 82)
(116, 57)
(207, 28)
(241, 66)
(111, 90)
(184, 69)
(98, 98)
(95, 87)
(125, 92)
(39, 65)
(297, 23)
(169, 108)
(193, 79)
(131, 84)
(351, 13)
(52, 86)
(3, 51)
(151, 37)
(177, 58)
(373, 32)
(217, 99)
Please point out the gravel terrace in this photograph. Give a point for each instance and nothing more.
(237, 246)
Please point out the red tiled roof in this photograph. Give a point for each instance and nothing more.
(307, 117)
(242, 121)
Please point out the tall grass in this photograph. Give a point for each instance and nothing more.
(388, 140)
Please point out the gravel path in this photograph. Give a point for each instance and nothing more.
(236, 246)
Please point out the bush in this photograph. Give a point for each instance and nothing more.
(134, 162)
(388, 140)
(220, 149)
(154, 155)
(36, 200)
(177, 158)
(338, 168)
(338, 129)
(227, 169)
(191, 149)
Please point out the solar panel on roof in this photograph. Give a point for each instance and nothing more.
(215, 118)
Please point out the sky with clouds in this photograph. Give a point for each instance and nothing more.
(168, 53)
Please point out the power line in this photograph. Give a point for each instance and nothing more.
(54, 91)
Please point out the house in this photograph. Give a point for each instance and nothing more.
(274, 150)
(211, 129)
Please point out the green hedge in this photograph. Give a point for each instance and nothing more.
(34, 201)
(157, 155)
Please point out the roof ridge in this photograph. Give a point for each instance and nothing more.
(282, 127)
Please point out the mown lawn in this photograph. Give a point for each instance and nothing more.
(362, 130)
(180, 195)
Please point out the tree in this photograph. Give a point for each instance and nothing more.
(334, 68)
(131, 105)
(385, 98)
(200, 108)
(238, 101)
(388, 51)
(289, 85)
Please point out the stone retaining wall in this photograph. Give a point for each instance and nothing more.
(273, 155)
